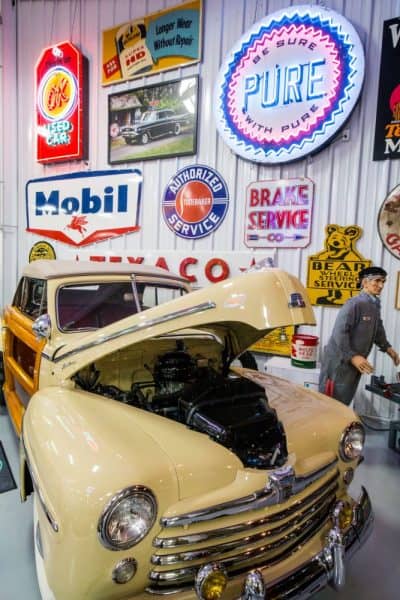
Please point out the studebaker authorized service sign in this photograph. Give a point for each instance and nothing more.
(289, 84)
(59, 101)
(82, 208)
(278, 213)
(195, 201)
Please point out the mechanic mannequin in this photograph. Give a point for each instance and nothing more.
(357, 327)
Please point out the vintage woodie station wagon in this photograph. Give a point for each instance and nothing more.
(158, 466)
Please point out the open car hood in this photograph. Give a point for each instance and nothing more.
(238, 311)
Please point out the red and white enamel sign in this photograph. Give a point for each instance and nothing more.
(278, 213)
(82, 208)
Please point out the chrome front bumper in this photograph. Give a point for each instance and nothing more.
(325, 568)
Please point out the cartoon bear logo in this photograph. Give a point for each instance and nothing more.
(339, 243)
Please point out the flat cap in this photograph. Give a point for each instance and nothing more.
(372, 272)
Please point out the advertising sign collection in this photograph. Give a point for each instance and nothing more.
(282, 93)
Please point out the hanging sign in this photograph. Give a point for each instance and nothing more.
(59, 104)
(195, 202)
(389, 222)
(278, 213)
(82, 208)
(333, 273)
(289, 84)
(164, 40)
(387, 126)
(199, 268)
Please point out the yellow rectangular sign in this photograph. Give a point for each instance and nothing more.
(277, 342)
(157, 42)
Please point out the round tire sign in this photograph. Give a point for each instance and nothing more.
(389, 222)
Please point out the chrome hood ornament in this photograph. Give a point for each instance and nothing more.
(281, 483)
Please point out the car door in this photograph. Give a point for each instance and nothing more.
(22, 350)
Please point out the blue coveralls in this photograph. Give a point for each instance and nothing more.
(357, 327)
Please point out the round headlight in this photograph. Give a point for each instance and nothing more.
(352, 442)
(127, 518)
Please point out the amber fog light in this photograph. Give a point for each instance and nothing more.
(348, 476)
(211, 582)
(124, 570)
(342, 515)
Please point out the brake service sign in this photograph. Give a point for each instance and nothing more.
(289, 84)
(278, 213)
(59, 104)
(82, 208)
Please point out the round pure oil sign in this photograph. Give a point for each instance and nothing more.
(289, 84)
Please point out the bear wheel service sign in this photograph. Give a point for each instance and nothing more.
(289, 84)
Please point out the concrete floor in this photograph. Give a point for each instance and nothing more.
(374, 573)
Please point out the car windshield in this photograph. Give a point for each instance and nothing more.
(91, 306)
(148, 116)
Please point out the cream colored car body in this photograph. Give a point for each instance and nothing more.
(23, 364)
(82, 448)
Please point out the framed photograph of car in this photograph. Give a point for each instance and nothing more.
(155, 121)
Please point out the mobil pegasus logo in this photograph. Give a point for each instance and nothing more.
(81, 208)
(195, 202)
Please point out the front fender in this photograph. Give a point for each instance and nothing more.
(82, 449)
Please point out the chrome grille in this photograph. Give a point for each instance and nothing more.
(257, 540)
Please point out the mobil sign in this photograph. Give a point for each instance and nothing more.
(278, 213)
(81, 208)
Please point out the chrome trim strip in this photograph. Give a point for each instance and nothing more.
(203, 536)
(211, 552)
(296, 537)
(49, 516)
(144, 325)
(268, 496)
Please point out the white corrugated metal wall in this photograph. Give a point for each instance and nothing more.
(349, 186)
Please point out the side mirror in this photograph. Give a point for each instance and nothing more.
(42, 327)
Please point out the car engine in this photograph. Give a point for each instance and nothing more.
(231, 410)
